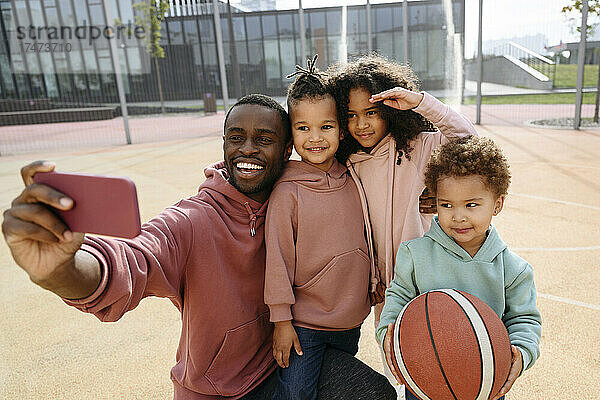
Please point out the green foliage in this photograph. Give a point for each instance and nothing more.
(150, 14)
(575, 6)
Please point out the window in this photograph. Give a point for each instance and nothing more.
(398, 19)
(191, 31)
(269, 26)
(239, 30)
(334, 22)
(253, 27)
(317, 23)
(383, 20)
(356, 21)
(272, 64)
(207, 31)
(175, 32)
(286, 28)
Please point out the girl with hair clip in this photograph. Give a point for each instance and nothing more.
(320, 279)
(390, 130)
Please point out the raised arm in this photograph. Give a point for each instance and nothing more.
(449, 122)
(103, 276)
(41, 243)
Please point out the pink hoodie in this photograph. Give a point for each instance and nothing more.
(200, 254)
(393, 190)
(319, 269)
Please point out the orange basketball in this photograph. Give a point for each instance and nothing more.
(450, 345)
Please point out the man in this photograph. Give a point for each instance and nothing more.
(206, 254)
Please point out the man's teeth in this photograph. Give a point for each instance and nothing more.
(244, 165)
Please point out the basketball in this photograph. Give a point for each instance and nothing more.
(448, 344)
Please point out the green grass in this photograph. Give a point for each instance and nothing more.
(554, 98)
(566, 75)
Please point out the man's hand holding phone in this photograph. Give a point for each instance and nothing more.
(42, 244)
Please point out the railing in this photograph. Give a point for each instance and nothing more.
(528, 57)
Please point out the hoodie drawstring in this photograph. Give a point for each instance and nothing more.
(252, 216)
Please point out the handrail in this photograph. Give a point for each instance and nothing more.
(533, 53)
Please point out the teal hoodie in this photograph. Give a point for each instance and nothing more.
(496, 275)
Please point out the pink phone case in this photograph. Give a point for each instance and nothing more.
(103, 205)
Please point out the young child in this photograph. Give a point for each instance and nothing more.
(319, 266)
(391, 137)
(463, 251)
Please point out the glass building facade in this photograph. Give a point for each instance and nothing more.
(267, 46)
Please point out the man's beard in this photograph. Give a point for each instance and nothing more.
(266, 184)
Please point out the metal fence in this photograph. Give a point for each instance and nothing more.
(81, 73)
(539, 70)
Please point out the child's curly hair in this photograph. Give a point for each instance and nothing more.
(376, 74)
(466, 156)
(310, 83)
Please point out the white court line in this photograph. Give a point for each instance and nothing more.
(569, 301)
(556, 164)
(555, 248)
(569, 203)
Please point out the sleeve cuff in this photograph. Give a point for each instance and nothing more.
(526, 359)
(280, 312)
(380, 335)
(80, 303)
(431, 108)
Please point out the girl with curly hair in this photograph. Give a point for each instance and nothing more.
(390, 131)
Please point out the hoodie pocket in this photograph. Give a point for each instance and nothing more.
(337, 297)
(240, 358)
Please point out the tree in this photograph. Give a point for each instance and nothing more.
(575, 6)
(151, 14)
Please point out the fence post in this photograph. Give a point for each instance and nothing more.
(479, 62)
(405, 29)
(222, 70)
(237, 82)
(580, 65)
(344, 45)
(117, 68)
(302, 32)
(369, 36)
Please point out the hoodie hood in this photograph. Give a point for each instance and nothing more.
(229, 199)
(312, 177)
(490, 249)
(381, 150)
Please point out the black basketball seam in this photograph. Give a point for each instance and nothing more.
(404, 363)
(476, 339)
(491, 345)
(437, 356)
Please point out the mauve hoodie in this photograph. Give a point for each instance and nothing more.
(318, 270)
(201, 254)
(393, 190)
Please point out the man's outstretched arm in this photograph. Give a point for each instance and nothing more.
(41, 243)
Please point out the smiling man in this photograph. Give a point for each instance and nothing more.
(206, 254)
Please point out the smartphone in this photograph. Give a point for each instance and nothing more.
(104, 205)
